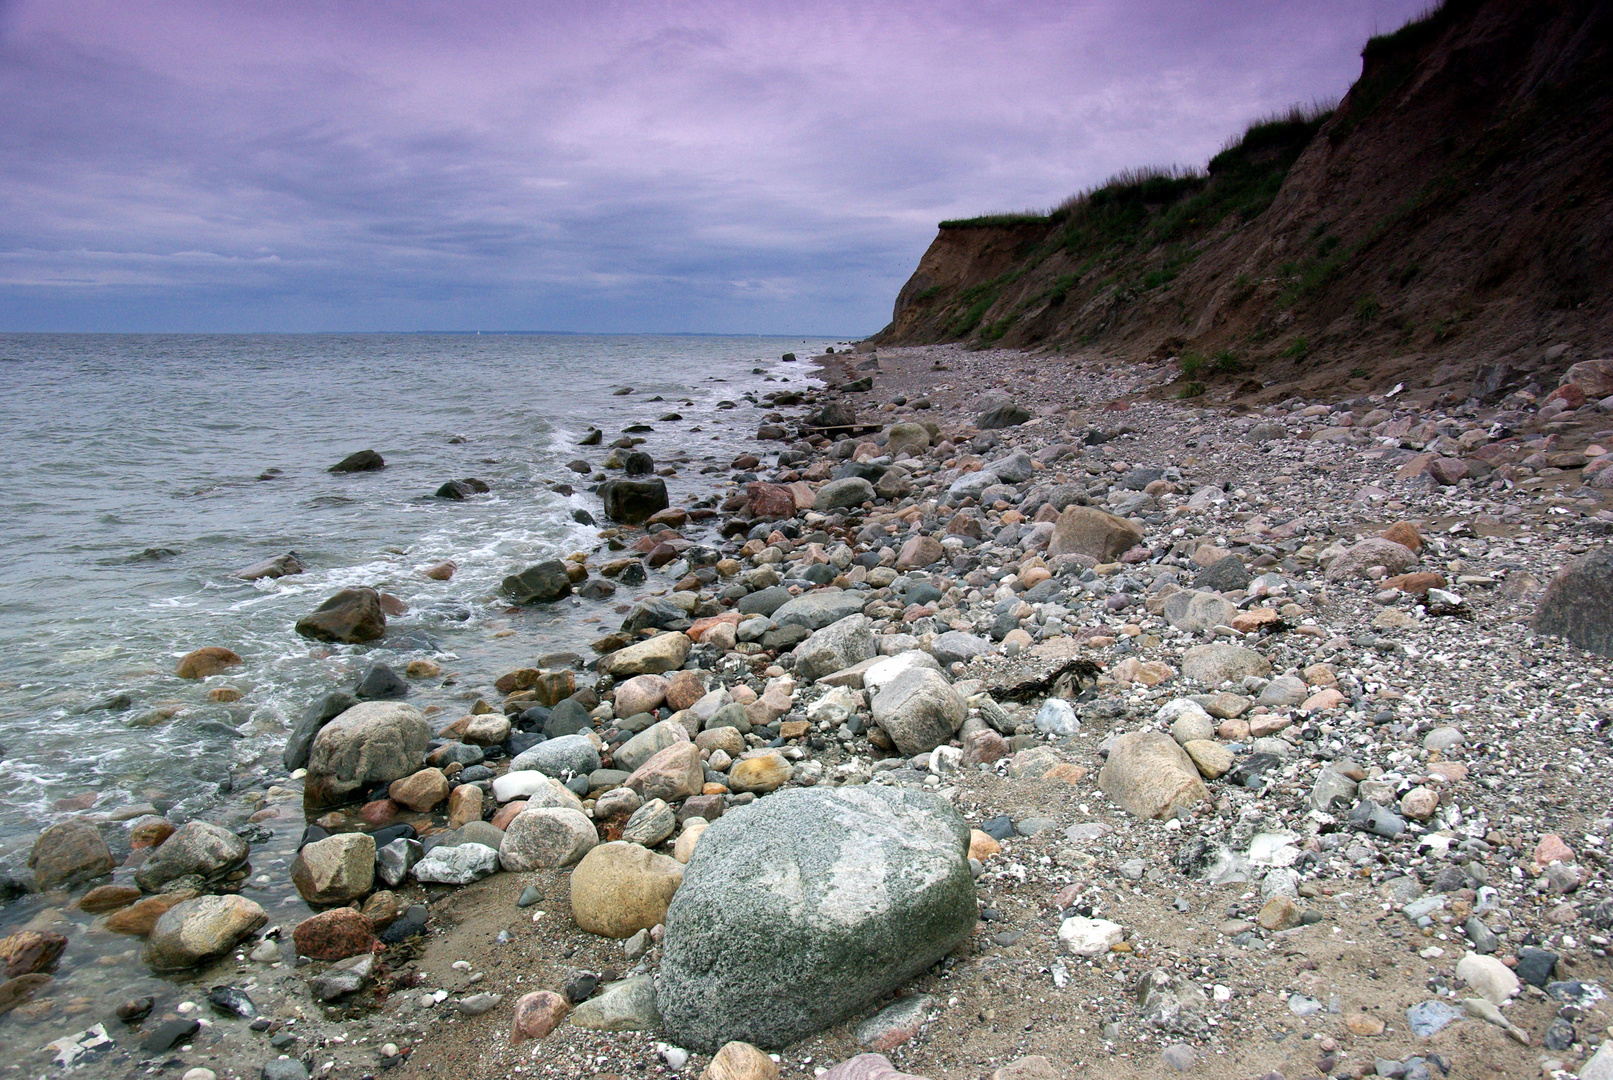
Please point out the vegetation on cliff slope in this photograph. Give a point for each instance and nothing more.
(1453, 210)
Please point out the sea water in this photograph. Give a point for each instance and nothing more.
(140, 472)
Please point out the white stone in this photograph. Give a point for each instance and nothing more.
(1490, 978)
(1089, 937)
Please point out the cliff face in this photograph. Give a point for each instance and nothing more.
(1448, 224)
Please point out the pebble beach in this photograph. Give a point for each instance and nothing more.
(986, 714)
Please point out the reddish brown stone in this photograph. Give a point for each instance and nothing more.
(379, 813)
(30, 952)
(105, 898)
(684, 688)
(984, 746)
(553, 687)
(1570, 394)
(441, 571)
(1447, 471)
(770, 502)
(1417, 584)
(672, 517)
(1405, 534)
(138, 918)
(149, 832)
(519, 679)
(537, 1014)
(507, 813)
(208, 660)
(333, 935)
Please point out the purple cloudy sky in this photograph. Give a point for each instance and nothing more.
(743, 167)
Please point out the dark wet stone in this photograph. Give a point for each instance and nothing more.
(167, 1036)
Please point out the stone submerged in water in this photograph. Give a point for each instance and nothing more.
(878, 889)
(362, 461)
(68, 853)
(196, 849)
(280, 566)
(632, 502)
(540, 584)
(350, 617)
(206, 661)
(199, 930)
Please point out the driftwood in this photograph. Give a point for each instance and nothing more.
(1029, 677)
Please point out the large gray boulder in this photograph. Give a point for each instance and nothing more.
(1199, 612)
(819, 608)
(316, 716)
(573, 754)
(802, 908)
(373, 743)
(1354, 561)
(919, 710)
(195, 849)
(1215, 664)
(958, 646)
(838, 645)
(1578, 604)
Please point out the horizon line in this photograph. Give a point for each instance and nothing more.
(439, 333)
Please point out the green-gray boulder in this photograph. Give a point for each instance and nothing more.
(802, 908)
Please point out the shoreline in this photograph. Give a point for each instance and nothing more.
(1009, 998)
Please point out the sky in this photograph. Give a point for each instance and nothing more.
(761, 167)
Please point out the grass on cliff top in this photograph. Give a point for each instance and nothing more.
(1417, 32)
(1245, 176)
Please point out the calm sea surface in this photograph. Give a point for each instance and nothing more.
(132, 486)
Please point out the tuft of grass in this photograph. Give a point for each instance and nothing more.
(997, 221)
(1191, 390)
(1297, 349)
(1367, 308)
(1359, 373)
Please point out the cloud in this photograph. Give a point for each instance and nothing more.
(706, 166)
